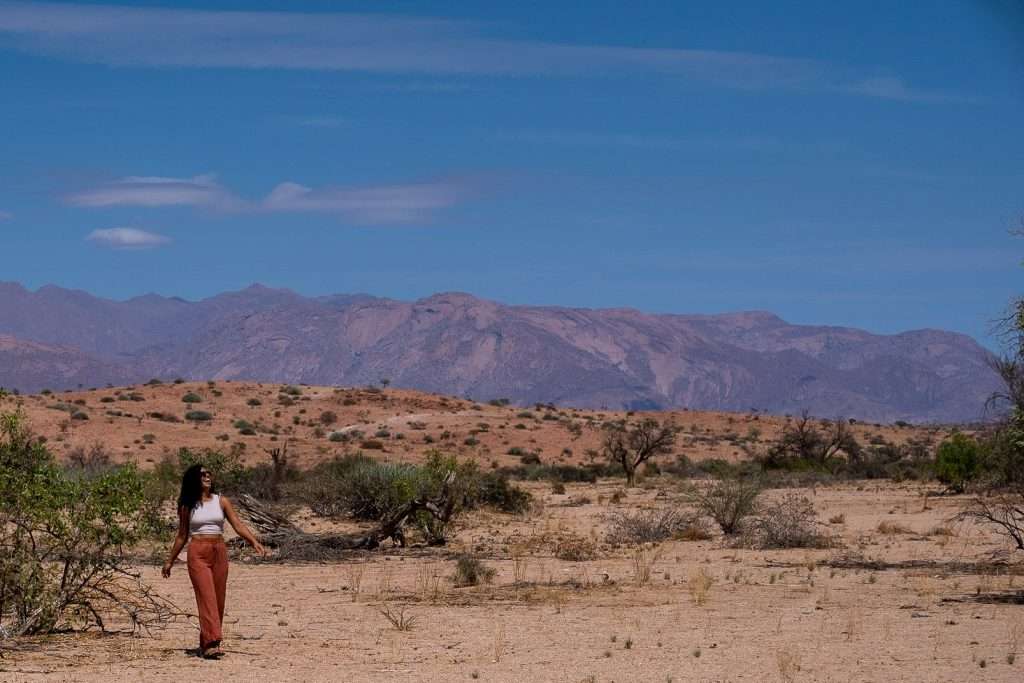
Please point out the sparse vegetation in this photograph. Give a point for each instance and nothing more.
(728, 502)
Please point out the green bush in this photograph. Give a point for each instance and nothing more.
(191, 397)
(198, 416)
(65, 539)
(360, 487)
(958, 462)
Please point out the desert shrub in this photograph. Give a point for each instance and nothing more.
(557, 488)
(254, 402)
(958, 462)
(192, 397)
(92, 460)
(496, 491)
(728, 502)
(575, 549)
(64, 541)
(654, 526)
(79, 415)
(267, 481)
(291, 391)
(359, 487)
(328, 417)
(789, 523)
(198, 416)
(337, 437)
(372, 445)
(470, 571)
(562, 473)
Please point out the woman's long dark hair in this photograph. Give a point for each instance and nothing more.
(192, 487)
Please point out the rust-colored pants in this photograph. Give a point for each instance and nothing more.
(208, 569)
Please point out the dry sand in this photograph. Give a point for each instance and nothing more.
(934, 608)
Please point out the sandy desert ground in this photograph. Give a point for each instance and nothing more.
(919, 600)
(902, 594)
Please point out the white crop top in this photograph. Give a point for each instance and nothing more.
(207, 518)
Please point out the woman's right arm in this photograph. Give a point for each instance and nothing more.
(179, 541)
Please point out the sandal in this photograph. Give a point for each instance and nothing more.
(213, 652)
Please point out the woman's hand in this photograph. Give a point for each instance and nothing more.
(260, 550)
(166, 571)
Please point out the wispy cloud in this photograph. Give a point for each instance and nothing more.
(5, 216)
(385, 204)
(153, 191)
(157, 37)
(890, 88)
(379, 204)
(127, 238)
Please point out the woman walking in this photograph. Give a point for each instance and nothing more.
(201, 515)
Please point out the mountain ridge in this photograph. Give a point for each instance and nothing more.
(456, 343)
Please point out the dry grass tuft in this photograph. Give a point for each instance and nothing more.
(643, 562)
(354, 573)
(700, 583)
(892, 528)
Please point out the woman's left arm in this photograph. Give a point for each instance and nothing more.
(240, 528)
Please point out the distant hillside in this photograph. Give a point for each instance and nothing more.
(454, 343)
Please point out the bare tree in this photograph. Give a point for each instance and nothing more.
(804, 440)
(631, 447)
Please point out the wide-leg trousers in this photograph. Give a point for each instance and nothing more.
(208, 570)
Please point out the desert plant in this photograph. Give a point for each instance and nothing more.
(92, 460)
(789, 523)
(470, 571)
(192, 397)
(64, 541)
(631, 447)
(699, 584)
(653, 526)
(398, 617)
(957, 462)
(728, 502)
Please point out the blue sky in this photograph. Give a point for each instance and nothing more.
(835, 163)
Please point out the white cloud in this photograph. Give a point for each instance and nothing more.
(127, 238)
(890, 88)
(382, 204)
(147, 36)
(157, 191)
(370, 204)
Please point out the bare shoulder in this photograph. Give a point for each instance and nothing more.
(225, 503)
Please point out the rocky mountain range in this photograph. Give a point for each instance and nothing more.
(454, 343)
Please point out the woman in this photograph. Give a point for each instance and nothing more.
(201, 514)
